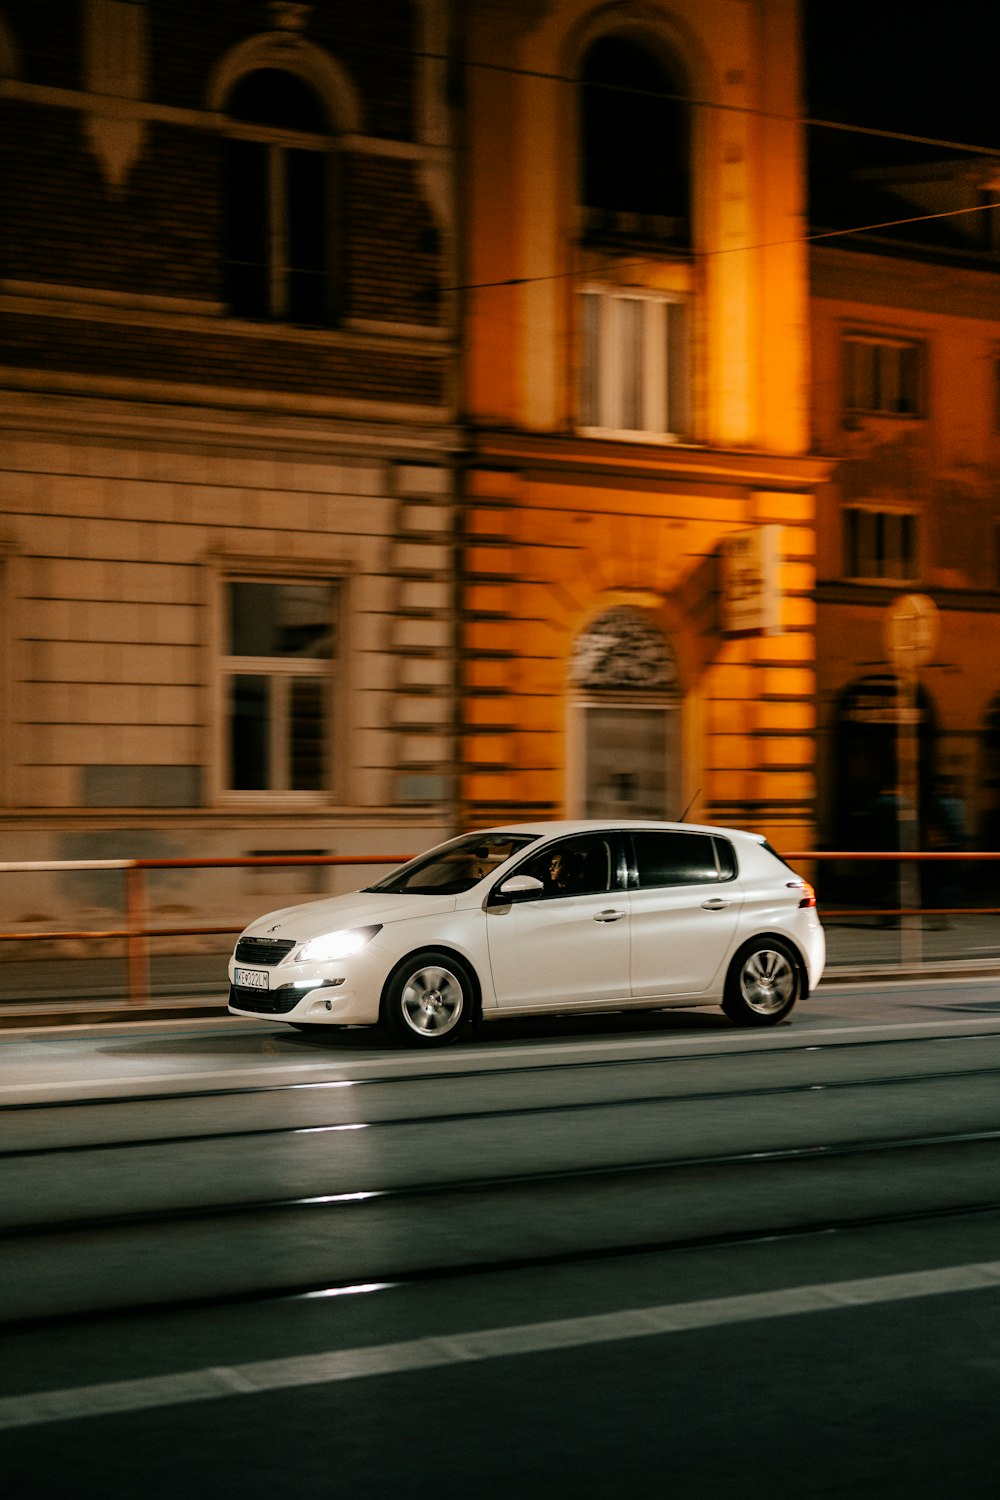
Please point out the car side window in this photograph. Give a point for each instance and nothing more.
(575, 867)
(726, 856)
(675, 859)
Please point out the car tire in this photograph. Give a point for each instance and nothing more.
(763, 983)
(429, 1000)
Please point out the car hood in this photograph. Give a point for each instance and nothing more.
(359, 909)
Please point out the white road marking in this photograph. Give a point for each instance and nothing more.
(116, 1398)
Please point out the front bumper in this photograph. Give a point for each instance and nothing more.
(343, 994)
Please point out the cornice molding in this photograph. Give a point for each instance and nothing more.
(80, 408)
(658, 463)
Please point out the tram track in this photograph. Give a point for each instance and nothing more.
(460, 1117)
(521, 1164)
(294, 1247)
(353, 1198)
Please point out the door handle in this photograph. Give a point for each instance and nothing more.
(608, 916)
(716, 903)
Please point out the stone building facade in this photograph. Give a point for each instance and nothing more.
(227, 438)
(404, 424)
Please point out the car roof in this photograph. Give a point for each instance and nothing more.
(556, 828)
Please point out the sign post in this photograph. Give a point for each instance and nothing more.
(911, 634)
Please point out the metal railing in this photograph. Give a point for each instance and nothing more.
(910, 911)
(137, 930)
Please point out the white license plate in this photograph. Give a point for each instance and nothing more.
(252, 979)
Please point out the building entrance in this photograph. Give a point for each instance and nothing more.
(626, 711)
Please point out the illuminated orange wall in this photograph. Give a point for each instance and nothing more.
(558, 525)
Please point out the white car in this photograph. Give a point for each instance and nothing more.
(543, 918)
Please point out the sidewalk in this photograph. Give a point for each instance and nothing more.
(63, 992)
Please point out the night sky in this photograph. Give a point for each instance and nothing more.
(923, 66)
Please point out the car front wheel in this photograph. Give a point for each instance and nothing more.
(429, 1000)
(763, 983)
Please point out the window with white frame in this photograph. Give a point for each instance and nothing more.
(279, 673)
(880, 544)
(633, 368)
(278, 175)
(883, 376)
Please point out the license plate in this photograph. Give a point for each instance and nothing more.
(252, 979)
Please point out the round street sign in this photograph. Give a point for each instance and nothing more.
(911, 631)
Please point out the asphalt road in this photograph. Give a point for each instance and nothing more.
(624, 1256)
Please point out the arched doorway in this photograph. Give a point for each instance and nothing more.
(625, 706)
(864, 765)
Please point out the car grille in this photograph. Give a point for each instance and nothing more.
(261, 950)
(265, 1002)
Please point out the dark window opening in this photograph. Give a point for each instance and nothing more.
(635, 176)
(281, 100)
(277, 202)
(280, 671)
(883, 377)
(280, 619)
(880, 544)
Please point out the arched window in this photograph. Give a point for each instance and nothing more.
(624, 681)
(277, 200)
(634, 145)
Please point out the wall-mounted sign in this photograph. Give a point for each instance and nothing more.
(751, 592)
(911, 632)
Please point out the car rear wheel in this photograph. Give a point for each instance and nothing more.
(763, 983)
(429, 1000)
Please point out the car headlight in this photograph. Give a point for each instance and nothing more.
(334, 945)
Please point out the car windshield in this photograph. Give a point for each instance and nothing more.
(452, 868)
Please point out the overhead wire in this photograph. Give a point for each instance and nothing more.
(806, 238)
(908, 138)
(779, 116)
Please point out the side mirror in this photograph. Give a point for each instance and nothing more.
(521, 885)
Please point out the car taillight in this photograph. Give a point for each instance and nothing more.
(808, 894)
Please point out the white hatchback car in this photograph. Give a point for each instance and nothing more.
(543, 918)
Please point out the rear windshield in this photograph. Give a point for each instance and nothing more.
(452, 868)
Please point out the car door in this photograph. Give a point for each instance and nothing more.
(566, 945)
(685, 905)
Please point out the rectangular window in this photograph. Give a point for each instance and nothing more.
(279, 671)
(883, 376)
(276, 250)
(880, 544)
(633, 367)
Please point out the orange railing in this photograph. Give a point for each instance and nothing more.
(923, 857)
(137, 930)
